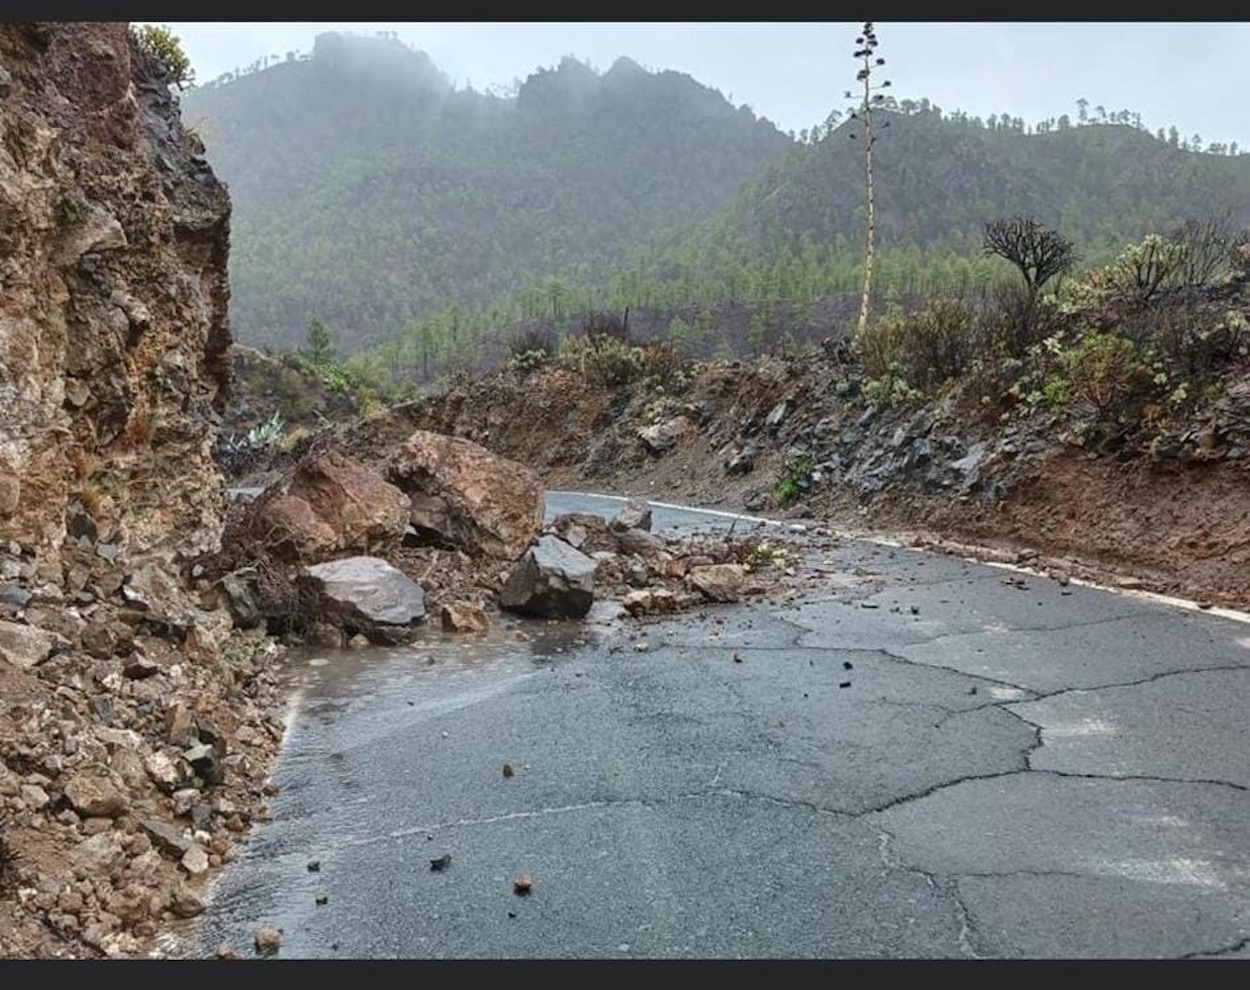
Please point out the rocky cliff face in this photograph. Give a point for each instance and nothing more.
(114, 236)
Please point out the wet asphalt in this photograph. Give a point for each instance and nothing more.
(924, 757)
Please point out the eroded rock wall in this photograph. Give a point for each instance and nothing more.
(114, 237)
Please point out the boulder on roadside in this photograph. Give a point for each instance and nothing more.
(718, 582)
(552, 580)
(368, 595)
(635, 515)
(329, 503)
(639, 542)
(461, 494)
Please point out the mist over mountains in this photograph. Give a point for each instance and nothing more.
(371, 192)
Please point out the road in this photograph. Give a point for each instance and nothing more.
(934, 759)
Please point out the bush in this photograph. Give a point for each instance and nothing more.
(531, 348)
(1015, 320)
(163, 47)
(605, 359)
(796, 478)
(1103, 373)
(924, 349)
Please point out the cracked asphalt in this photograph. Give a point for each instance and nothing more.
(934, 759)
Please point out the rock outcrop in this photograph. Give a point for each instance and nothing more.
(114, 236)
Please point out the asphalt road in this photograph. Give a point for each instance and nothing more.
(931, 759)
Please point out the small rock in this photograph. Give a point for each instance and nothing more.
(507, 770)
(523, 884)
(226, 952)
(321, 900)
(95, 797)
(463, 617)
(139, 668)
(34, 796)
(166, 837)
(440, 863)
(267, 940)
(185, 902)
(195, 861)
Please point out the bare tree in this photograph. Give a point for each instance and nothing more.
(1207, 249)
(866, 53)
(1038, 252)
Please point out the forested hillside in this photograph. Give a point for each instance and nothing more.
(797, 230)
(429, 226)
(368, 191)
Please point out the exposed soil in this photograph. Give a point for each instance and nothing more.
(1120, 516)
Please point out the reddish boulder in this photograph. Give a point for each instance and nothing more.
(328, 505)
(464, 495)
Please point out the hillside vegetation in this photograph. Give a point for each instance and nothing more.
(434, 229)
(368, 191)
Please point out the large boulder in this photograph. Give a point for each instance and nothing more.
(553, 580)
(329, 504)
(368, 595)
(463, 495)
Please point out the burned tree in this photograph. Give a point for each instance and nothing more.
(1038, 252)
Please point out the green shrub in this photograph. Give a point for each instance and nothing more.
(922, 349)
(163, 46)
(796, 478)
(1103, 372)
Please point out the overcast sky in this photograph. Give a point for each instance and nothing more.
(1191, 75)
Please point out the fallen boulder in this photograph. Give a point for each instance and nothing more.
(552, 580)
(635, 515)
(367, 595)
(329, 504)
(719, 582)
(463, 495)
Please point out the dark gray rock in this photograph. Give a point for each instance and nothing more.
(551, 580)
(240, 588)
(635, 515)
(742, 461)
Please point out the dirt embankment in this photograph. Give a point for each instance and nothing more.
(796, 438)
